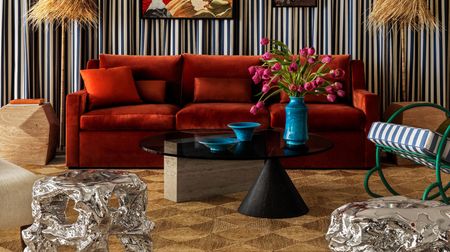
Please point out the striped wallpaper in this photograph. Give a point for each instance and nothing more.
(29, 64)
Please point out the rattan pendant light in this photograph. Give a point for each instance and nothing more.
(61, 12)
(402, 15)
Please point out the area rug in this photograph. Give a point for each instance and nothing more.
(215, 225)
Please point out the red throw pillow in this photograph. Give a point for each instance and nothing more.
(223, 90)
(152, 91)
(109, 87)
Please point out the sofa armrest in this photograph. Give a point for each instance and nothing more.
(369, 104)
(75, 107)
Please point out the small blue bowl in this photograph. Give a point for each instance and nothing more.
(219, 144)
(244, 130)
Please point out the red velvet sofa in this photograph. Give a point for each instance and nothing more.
(110, 137)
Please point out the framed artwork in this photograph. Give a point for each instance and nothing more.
(294, 3)
(188, 9)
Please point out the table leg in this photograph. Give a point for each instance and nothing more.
(273, 195)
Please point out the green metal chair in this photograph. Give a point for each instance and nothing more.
(437, 162)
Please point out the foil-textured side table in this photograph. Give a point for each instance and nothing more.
(390, 224)
(91, 192)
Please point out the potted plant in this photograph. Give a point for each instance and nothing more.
(297, 75)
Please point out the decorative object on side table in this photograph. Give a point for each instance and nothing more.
(390, 224)
(29, 131)
(92, 193)
(298, 76)
(244, 130)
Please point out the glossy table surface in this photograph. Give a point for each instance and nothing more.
(266, 144)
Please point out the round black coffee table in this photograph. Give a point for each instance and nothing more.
(273, 195)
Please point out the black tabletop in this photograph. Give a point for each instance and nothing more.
(266, 144)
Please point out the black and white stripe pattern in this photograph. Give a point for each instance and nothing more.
(409, 139)
(29, 65)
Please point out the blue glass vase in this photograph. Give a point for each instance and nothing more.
(296, 129)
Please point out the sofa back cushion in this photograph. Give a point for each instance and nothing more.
(167, 68)
(152, 91)
(110, 87)
(209, 66)
(223, 90)
(339, 61)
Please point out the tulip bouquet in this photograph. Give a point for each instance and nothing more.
(297, 75)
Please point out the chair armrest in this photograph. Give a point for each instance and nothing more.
(75, 107)
(369, 103)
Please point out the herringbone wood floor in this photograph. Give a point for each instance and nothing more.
(215, 225)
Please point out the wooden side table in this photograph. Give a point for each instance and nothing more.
(29, 131)
(421, 117)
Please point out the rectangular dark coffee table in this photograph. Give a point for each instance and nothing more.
(192, 171)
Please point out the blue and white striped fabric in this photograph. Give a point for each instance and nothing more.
(415, 140)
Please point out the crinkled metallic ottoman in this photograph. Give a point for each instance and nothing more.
(91, 191)
(390, 224)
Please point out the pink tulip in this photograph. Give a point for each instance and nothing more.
(264, 41)
(326, 59)
(340, 93)
(309, 86)
(256, 78)
(300, 88)
(311, 60)
(267, 56)
(260, 70)
(276, 67)
(252, 70)
(331, 97)
(265, 88)
(320, 80)
(260, 105)
(311, 51)
(329, 90)
(276, 80)
(303, 52)
(337, 73)
(292, 87)
(314, 84)
(337, 85)
(254, 110)
(293, 67)
(267, 74)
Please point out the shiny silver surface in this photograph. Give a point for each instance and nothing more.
(91, 192)
(390, 224)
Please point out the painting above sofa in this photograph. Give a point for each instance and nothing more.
(189, 9)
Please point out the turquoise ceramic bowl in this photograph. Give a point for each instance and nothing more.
(244, 130)
(219, 144)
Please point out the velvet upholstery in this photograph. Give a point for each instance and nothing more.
(208, 66)
(222, 90)
(218, 115)
(113, 141)
(109, 87)
(100, 149)
(323, 117)
(75, 106)
(152, 91)
(166, 68)
(137, 117)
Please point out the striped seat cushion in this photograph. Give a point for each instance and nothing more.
(415, 140)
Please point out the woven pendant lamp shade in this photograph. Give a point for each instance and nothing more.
(63, 11)
(404, 13)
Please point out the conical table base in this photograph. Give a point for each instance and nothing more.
(273, 195)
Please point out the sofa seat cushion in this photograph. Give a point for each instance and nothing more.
(138, 117)
(218, 115)
(323, 117)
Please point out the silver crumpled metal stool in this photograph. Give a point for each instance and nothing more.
(390, 224)
(91, 192)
